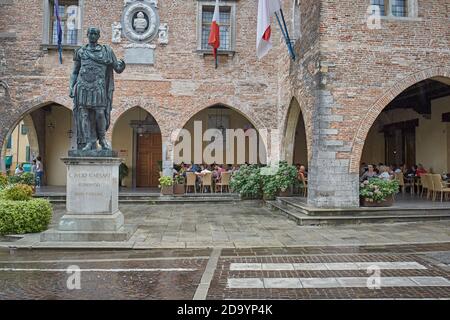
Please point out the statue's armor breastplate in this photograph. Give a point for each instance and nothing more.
(91, 83)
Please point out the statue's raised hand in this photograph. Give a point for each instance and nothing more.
(120, 66)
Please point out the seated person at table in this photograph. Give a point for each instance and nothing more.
(301, 173)
(384, 175)
(219, 170)
(401, 169)
(420, 170)
(363, 168)
(412, 171)
(203, 170)
(194, 168)
(370, 173)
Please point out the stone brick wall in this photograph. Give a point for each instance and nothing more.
(361, 71)
(180, 84)
(343, 77)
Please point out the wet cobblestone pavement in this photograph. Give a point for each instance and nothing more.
(407, 271)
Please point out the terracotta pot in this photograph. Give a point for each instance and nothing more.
(386, 203)
(178, 189)
(167, 190)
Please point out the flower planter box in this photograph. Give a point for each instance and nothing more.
(178, 189)
(386, 203)
(167, 190)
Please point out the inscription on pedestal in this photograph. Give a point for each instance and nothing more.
(92, 189)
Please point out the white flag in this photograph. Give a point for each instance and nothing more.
(266, 8)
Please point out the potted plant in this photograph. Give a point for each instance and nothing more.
(376, 192)
(123, 173)
(166, 185)
(286, 176)
(247, 181)
(179, 184)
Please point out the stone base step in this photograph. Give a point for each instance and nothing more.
(175, 199)
(305, 220)
(295, 206)
(53, 235)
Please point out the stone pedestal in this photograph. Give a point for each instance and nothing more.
(92, 202)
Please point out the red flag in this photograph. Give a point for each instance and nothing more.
(214, 35)
(266, 8)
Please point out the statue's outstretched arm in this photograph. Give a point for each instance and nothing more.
(118, 64)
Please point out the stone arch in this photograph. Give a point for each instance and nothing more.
(441, 72)
(145, 104)
(123, 112)
(290, 124)
(20, 113)
(37, 133)
(258, 125)
(250, 116)
(134, 136)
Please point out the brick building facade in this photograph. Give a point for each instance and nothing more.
(346, 73)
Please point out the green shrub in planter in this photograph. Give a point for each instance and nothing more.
(281, 180)
(247, 181)
(166, 181)
(14, 179)
(28, 179)
(17, 192)
(3, 181)
(377, 190)
(286, 176)
(19, 217)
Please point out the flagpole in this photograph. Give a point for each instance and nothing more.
(286, 36)
(215, 58)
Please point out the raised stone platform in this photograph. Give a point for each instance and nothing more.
(404, 210)
(92, 202)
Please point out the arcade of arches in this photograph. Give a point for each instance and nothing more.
(136, 136)
(413, 128)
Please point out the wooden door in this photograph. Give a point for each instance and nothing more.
(149, 152)
(410, 146)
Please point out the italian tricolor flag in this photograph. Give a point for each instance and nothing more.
(214, 35)
(266, 8)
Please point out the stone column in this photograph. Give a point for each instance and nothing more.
(330, 183)
(92, 202)
(2, 165)
(167, 157)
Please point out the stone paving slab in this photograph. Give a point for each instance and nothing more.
(242, 226)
